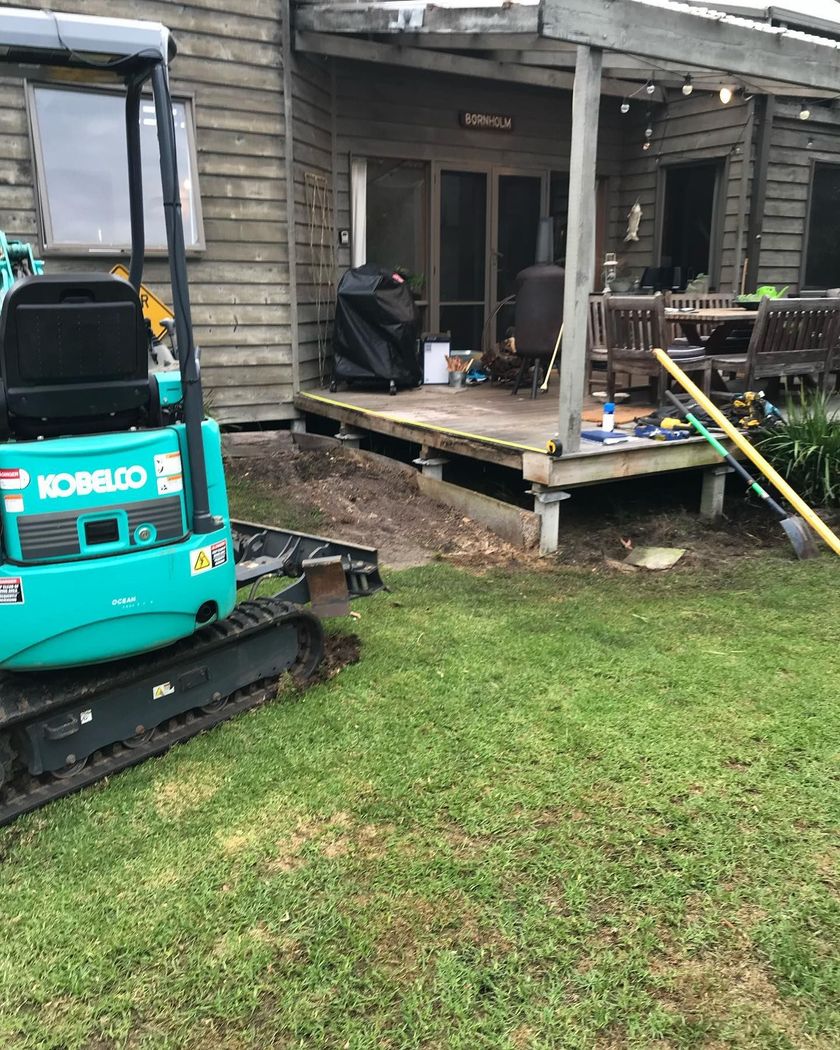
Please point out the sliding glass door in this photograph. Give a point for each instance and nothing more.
(462, 256)
(484, 231)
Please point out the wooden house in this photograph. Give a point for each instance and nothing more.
(413, 134)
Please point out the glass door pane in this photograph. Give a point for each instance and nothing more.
(463, 247)
(519, 203)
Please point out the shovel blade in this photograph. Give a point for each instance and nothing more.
(801, 538)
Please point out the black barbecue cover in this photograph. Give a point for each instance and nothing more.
(376, 329)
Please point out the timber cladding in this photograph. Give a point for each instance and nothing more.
(229, 61)
(687, 130)
(389, 112)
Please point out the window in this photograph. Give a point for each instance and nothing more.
(689, 234)
(822, 260)
(397, 200)
(80, 152)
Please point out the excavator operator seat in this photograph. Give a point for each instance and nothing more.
(74, 358)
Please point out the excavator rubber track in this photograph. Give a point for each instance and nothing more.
(57, 728)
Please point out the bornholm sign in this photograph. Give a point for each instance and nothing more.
(485, 121)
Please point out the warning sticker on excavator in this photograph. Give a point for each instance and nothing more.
(13, 478)
(11, 590)
(201, 561)
(154, 309)
(162, 690)
(206, 558)
(167, 464)
(14, 503)
(166, 486)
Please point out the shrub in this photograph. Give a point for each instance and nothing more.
(805, 449)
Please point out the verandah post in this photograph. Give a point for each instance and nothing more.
(580, 242)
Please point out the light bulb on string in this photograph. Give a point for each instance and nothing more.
(688, 86)
(804, 112)
(725, 95)
(625, 106)
(650, 87)
(646, 145)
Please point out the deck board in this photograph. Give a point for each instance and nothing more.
(486, 422)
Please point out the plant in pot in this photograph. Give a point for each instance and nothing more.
(416, 281)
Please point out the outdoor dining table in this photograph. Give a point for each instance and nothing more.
(726, 321)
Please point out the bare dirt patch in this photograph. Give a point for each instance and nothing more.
(340, 651)
(373, 503)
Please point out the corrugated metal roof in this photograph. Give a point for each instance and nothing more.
(766, 17)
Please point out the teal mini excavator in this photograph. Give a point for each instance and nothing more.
(120, 567)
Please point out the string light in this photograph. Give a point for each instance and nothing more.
(625, 106)
(646, 145)
(688, 86)
(725, 95)
(809, 144)
(805, 112)
(650, 87)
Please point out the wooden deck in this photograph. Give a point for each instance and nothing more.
(487, 423)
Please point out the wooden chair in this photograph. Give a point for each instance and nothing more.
(791, 337)
(634, 325)
(700, 301)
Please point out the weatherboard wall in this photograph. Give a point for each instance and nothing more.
(689, 130)
(795, 146)
(392, 112)
(229, 61)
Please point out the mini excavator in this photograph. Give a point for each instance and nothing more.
(120, 568)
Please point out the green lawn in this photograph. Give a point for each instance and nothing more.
(545, 810)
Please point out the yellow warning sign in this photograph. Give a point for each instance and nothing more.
(154, 309)
(202, 562)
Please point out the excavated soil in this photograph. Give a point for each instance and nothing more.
(375, 501)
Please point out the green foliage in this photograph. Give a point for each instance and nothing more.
(545, 810)
(805, 449)
(766, 291)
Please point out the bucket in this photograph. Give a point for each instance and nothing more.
(456, 380)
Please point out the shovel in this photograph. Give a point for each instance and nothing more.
(800, 536)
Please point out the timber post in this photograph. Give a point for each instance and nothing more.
(580, 242)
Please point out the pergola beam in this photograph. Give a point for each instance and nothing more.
(375, 17)
(669, 33)
(336, 45)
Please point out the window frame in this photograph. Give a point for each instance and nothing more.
(830, 160)
(718, 224)
(45, 232)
